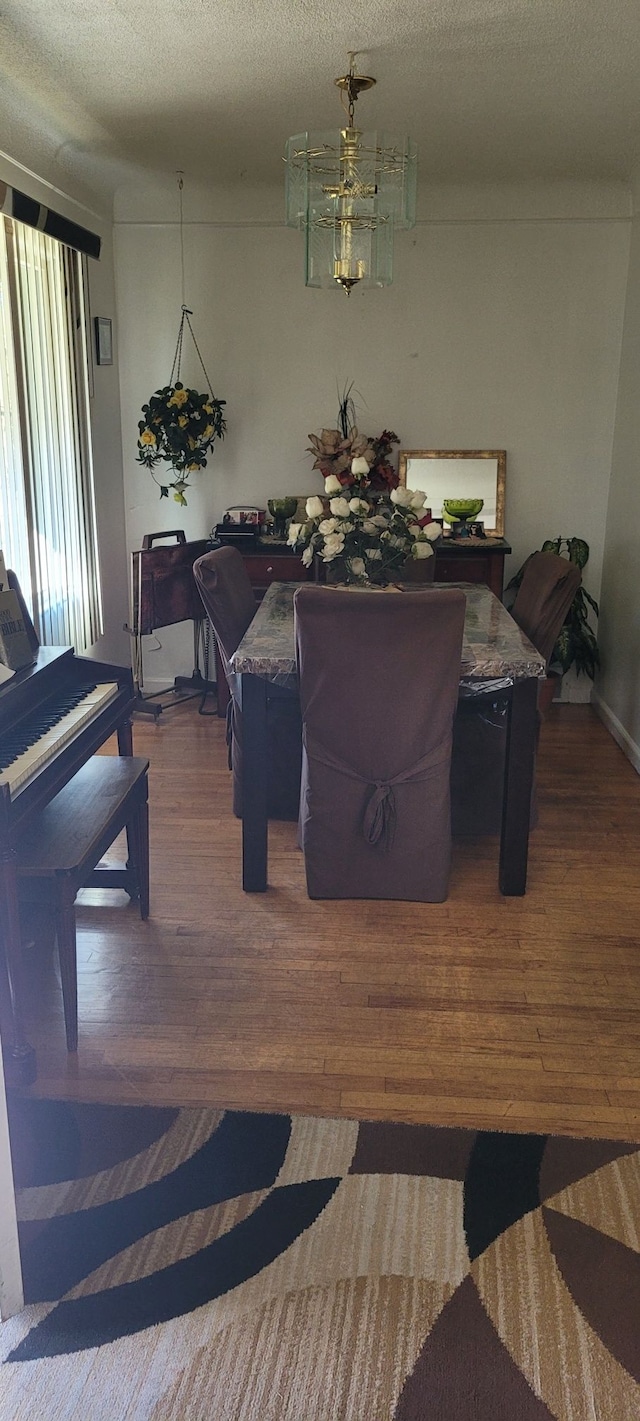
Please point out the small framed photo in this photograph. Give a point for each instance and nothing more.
(104, 340)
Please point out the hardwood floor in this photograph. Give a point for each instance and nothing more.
(516, 1014)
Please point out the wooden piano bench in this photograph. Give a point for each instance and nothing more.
(61, 850)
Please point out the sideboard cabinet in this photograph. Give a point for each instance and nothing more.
(480, 560)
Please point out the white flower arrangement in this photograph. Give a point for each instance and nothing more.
(366, 539)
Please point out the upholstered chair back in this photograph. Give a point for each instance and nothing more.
(379, 673)
(549, 585)
(229, 601)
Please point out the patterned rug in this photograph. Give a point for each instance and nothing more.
(193, 1265)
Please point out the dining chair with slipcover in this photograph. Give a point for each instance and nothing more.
(378, 675)
(549, 585)
(229, 601)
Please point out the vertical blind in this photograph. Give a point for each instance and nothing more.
(47, 510)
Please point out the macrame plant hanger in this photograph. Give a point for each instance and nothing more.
(196, 685)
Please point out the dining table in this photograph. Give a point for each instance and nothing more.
(497, 660)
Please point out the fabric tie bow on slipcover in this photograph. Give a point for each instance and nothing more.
(379, 818)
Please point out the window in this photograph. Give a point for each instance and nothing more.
(47, 512)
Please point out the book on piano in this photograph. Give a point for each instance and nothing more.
(16, 642)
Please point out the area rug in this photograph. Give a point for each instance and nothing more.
(193, 1265)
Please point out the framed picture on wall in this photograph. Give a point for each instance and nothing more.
(104, 340)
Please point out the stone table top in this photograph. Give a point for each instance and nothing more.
(495, 652)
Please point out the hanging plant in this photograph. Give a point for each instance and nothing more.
(180, 426)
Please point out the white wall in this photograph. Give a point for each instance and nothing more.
(617, 693)
(502, 330)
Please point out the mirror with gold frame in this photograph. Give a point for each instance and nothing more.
(459, 473)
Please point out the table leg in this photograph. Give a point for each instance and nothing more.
(518, 785)
(253, 691)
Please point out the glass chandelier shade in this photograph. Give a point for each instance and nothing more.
(347, 190)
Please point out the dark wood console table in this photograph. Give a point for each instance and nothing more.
(472, 560)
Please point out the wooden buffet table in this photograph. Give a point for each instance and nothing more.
(496, 659)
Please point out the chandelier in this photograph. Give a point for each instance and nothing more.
(346, 190)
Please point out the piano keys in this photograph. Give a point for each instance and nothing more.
(53, 716)
(26, 749)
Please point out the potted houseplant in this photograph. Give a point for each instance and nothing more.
(576, 644)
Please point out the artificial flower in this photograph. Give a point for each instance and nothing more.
(333, 546)
(366, 539)
(314, 507)
(179, 397)
(402, 497)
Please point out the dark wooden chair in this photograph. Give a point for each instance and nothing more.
(379, 675)
(229, 601)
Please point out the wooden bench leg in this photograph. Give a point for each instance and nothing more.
(66, 933)
(138, 842)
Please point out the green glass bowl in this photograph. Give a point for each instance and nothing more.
(282, 507)
(458, 510)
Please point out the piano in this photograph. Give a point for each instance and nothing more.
(54, 715)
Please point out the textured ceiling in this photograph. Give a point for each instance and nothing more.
(489, 89)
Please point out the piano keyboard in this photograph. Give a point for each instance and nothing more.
(36, 739)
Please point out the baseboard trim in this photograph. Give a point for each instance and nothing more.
(617, 730)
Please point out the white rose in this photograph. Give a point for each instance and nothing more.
(338, 506)
(380, 521)
(369, 526)
(328, 525)
(332, 484)
(359, 467)
(396, 542)
(294, 533)
(314, 508)
(307, 557)
(358, 505)
(422, 550)
(432, 531)
(374, 554)
(414, 530)
(357, 567)
(333, 546)
(401, 497)
(418, 498)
